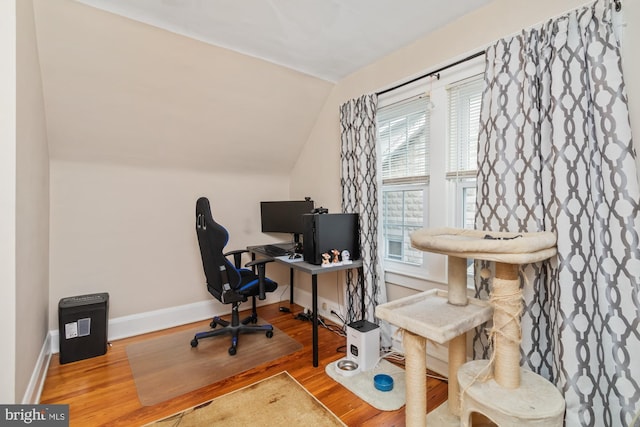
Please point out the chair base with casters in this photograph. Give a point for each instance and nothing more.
(235, 327)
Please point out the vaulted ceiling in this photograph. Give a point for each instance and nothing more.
(328, 39)
(208, 85)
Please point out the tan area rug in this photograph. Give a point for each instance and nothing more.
(276, 401)
(167, 366)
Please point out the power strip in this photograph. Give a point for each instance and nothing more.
(306, 316)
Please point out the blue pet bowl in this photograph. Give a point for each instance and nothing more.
(383, 382)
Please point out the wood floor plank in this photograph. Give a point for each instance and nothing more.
(101, 390)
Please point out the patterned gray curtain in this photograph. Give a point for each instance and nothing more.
(360, 195)
(556, 154)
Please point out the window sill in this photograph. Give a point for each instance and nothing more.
(416, 283)
(412, 282)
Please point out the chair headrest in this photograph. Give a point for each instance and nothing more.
(205, 222)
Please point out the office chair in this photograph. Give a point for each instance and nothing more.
(227, 282)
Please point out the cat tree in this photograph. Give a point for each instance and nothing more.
(499, 388)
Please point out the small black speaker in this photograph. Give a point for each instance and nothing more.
(82, 324)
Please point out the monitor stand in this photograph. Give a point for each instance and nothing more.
(297, 245)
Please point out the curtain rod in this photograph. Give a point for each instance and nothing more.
(431, 73)
(618, 7)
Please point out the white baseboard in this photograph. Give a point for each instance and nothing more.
(36, 382)
(151, 321)
(128, 326)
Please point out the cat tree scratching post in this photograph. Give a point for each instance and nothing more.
(446, 317)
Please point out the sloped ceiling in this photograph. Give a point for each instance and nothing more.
(121, 91)
(328, 39)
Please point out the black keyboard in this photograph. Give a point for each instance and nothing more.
(273, 250)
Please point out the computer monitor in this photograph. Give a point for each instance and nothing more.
(284, 216)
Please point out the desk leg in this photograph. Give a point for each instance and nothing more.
(291, 285)
(314, 298)
(362, 290)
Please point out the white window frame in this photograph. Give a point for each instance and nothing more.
(433, 272)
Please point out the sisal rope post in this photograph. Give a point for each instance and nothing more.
(415, 348)
(506, 333)
(457, 358)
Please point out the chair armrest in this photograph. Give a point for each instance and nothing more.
(237, 256)
(261, 266)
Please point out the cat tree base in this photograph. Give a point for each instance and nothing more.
(443, 417)
(536, 402)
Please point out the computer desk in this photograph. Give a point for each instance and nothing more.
(314, 271)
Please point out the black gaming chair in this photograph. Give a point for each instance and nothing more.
(229, 283)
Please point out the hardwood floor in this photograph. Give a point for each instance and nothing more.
(101, 390)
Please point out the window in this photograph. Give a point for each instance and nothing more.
(403, 213)
(403, 137)
(427, 142)
(464, 101)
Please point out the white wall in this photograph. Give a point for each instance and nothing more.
(131, 231)
(318, 168)
(24, 201)
(7, 199)
(124, 92)
(32, 203)
(141, 122)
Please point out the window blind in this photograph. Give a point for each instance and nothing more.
(403, 134)
(465, 99)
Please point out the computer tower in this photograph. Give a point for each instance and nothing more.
(82, 323)
(324, 232)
